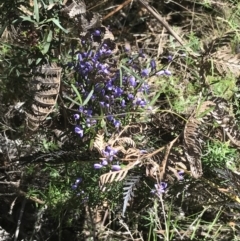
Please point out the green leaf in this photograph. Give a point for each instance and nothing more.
(38, 60)
(45, 48)
(3, 28)
(49, 37)
(77, 93)
(88, 97)
(121, 75)
(56, 21)
(135, 75)
(36, 10)
(155, 98)
(28, 18)
(103, 123)
(74, 101)
(47, 43)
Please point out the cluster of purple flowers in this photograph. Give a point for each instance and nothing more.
(160, 188)
(89, 121)
(108, 90)
(111, 91)
(76, 184)
(109, 154)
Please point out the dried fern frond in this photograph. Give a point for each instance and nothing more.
(46, 85)
(193, 137)
(226, 63)
(117, 176)
(128, 190)
(224, 40)
(126, 141)
(99, 142)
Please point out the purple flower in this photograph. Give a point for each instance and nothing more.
(90, 122)
(159, 188)
(81, 109)
(170, 58)
(78, 181)
(79, 56)
(130, 96)
(74, 187)
(144, 87)
(140, 102)
(161, 72)
(104, 162)
(180, 175)
(116, 168)
(145, 72)
(118, 92)
(97, 166)
(167, 72)
(116, 123)
(110, 118)
(141, 54)
(76, 116)
(88, 112)
(123, 103)
(153, 64)
(127, 46)
(79, 131)
(109, 153)
(132, 81)
(97, 32)
(109, 85)
(102, 103)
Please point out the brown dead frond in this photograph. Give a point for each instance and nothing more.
(99, 142)
(117, 176)
(46, 85)
(192, 138)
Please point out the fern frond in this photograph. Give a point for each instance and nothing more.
(128, 190)
(192, 146)
(126, 140)
(226, 62)
(99, 142)
(117, 176)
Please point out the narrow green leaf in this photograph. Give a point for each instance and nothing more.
(3, 28)
(120, 70)
(132, 73)
(88, 97)
(36, 10)
(56, 21)
(45, 48)
(69, 98)
(38, 60)
(155, 98)
(49, 37)
(77, 93)
(28, 18)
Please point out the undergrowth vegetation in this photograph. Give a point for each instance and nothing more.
(124, 127)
